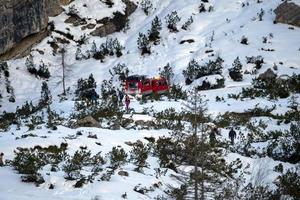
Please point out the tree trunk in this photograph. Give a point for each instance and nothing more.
(63, 67)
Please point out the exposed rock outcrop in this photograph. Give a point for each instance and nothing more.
(88, 121)
(22, 18)
(288, 13)
(115, 24)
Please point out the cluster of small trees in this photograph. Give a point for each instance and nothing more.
(272, 87)
(42, 71)
(144, 41)
(202, 7)
(195, 70)
(110, 47)
(86, 88)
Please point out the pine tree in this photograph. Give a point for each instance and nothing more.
(209, 168)
(167, 72)
(154, 32)
(191, 72)
(202, 8)
(261, 14)
(117, 157)
(139, 155)
(93, 49)
(30, 65)
(118, 47)
(172, 20)
(235, 72)
(46, 97)
(188, 23)
(78, 54)
(86, 88)
(144, 44)
(43, 71)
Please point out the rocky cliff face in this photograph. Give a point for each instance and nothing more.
(288, 13)
(22, 18)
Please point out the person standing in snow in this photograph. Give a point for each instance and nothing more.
(212, 136)
(232, 135)
(127, 102)
(121, 96)
(1, 159)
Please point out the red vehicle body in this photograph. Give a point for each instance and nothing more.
(143, 85)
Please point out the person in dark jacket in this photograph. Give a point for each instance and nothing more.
(212, 136)
(121, 96)
(1, 159)
(232, 135)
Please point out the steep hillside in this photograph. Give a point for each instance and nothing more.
(244, 64)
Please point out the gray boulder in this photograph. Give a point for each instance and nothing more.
(88, 121)
(269, 74)
(288, 13)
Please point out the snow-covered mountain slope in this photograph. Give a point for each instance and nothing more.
(215, 33)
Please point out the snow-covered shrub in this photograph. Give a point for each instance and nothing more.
(286, 147)
(74, 164)
(86, 88)
(30, 65)
(235, 72)
(257, 60)
(43, 71)
(212, 83)
(4, 69)
(120, 70)
(146, 6)
(269, 87)
(117, 157)
(46, 97)
(195, 70)
(78, 54)
(154, 32)
(73, 11)
(244, 40)
(27, 162)
(176, 92)
(188, 23)
(289, 183)
(261, 14)
(258, 192)
(82, 40)
(139, 155)
(172, 20)
(166, 151)
(167, 72)
(202, 8)
(111, 47)
(144, 44)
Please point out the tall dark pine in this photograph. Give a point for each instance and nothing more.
(208, 165)
(235, 72)
(154, 32)
(144, 44)
(46, 97)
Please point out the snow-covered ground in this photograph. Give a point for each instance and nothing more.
(226, 24)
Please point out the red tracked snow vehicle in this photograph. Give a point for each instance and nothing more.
(142, 85)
